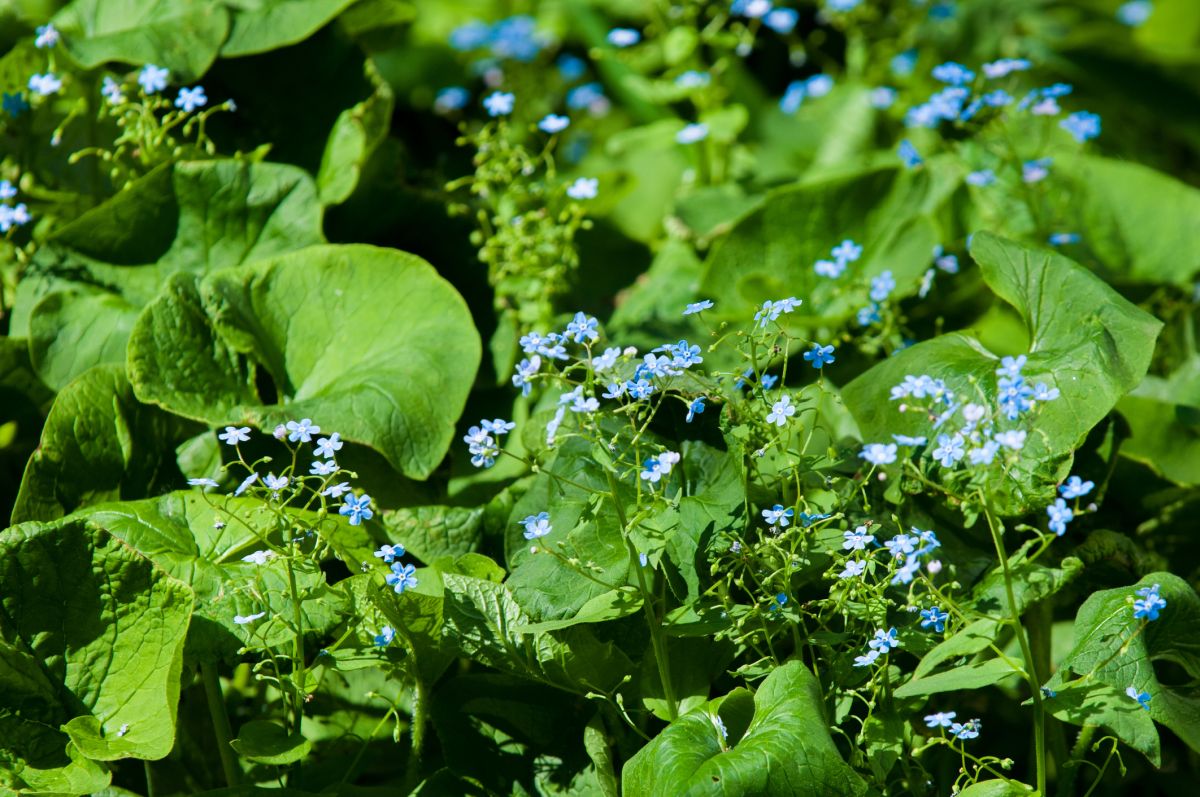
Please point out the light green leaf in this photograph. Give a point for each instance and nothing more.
(1085, 339)
(262, 25)
(265, 742)
(1100, 704)
(182, 35)
(1164, 421)
(91, 639)
(481, 619)
(370, 342)
(1110, 649)
(179, 532)
(786, 750)
(996, 788)
(99, 444)
(88, 285)
(355, 136)
(431, 532)
(975, 675)
(1134, 219)
(416, 615)
(770, 253)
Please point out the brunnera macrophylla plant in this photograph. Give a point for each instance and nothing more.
(834, 433)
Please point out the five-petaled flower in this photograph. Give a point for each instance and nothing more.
(780, 411)
(402, 577)
(357, 508)
(389, 553)
(302, 431)
(1149, 604)
(537, 525)
(235, 434)
(819, 356)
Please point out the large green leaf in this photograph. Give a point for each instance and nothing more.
(1134, 219)
(975, 675)
(354, 137)
(1164, 423)
(1085, 339)
(366, 341)
(182, 35)
(87, 286)
(1096, 703)
(180, 533)
(785, 750)
(262, 25)
(91, 640)
(99, 444)
(484, 623)
(1110, 650)
(430, 532)
(770, 253)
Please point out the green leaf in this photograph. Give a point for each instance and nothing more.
(786, 750)
(355, 136)
(996, 788)
(1100, 704)
(770, 252)
(1109, 649)
(91, 639)
(417, 616)
(182, 35)
(1134, 219)
(431, 532)
(179, 532)
(368, 341)
(262, 25)
(481, 620)
(265, 742)
(596, 743)
(99, 444)
(1032, 582)
(975, 675)
(1164, 422)
(88, 284)
(1085, 339)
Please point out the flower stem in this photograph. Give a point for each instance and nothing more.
(220, 720)
(1035, 686)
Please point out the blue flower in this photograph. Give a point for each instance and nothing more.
(857, 540)
(1135, 12)
(553, 123)
(949, 450)
(471, 36)
(1149, 604)
(1075, 487)
(537, 526)
(623, 37)
(275, 483)
(692, 133)
(698, 307)
(953, 73)
(14, 104)
(497, 426)
(1060, 515)
(389, 553)
(451, 98)
(1036, 170)
(202, 482)
(402, 577)
(903, 64)
(793, 96)
(807, 520)
(499, 103)
(336, 490)
(191, 99)
(583, 188)
(780, 411)
(854, 568)
(866, 659)
(906, 573)
(884, 641)
(902, 545)
(153, 79)
(942, 719)
(909, 155)
(234, 435)
(778, 515)
(589, 95)
(905, 440)
(654, 468)
(385, 636)
(1142, 698)
(819, 356)
(45, 85)
(847, 251)
(1063, 238)
(570, 67)
(935, 617)
(526, 370)
(1005, 66)
(357, 509)
(47, 36)
(780, 601)
(328, 446)
(325, 467)
(768, 381)
(582, 328)
(782, 20)
(1082, 125)
(302, 431)
(882, 286)
(516, 38)
(883, 97)
(245, 485)
(879, 453)
(967, 730)
(695, 408)
(982, 178)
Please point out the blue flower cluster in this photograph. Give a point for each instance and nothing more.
(515, 38)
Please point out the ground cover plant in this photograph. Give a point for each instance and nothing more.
(599, 397)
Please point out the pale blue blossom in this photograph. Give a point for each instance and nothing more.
(235, 434)
(153, 79)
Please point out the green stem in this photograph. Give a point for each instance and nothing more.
(298, 674)
(1035, 686)
(420, 711)
(149, 779)
(220, 720)
(652, 620)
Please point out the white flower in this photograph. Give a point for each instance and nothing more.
(247, 619)
(259, 557)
